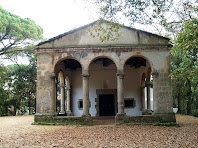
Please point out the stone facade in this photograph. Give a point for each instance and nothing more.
(74, 54)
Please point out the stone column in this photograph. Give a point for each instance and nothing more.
(85, 78)
(143, 99)
(155, 92)
(55, 93)
(62, 88)
(148, 94)
(53, 99)
(120, 93)
(69, 113)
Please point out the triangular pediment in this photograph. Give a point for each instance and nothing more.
(81, 37)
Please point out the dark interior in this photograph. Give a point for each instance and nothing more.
(106, 105)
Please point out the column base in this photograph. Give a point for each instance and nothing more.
(62, 113)
(143, 112)
(69, 113)
(120, 115)
(148, 112)
(86, 115)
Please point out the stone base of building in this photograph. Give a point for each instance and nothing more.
(62, 120)
(155, 119)
(147, 119)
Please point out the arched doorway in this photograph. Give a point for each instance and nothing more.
(103, 87)
(136, 83)
(68, 86)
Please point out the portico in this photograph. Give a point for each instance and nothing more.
(85, 68)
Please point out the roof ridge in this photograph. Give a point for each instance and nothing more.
(90, 24)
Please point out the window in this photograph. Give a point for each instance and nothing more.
(129, 102)
(80, 103)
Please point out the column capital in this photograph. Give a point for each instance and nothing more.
(155, 74)
(85, 75)
(52, 75)
(149, 83)
(120, 74)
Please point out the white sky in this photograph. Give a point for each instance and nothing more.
(54, 16)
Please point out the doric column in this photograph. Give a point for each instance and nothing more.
(69, 113)
(85, 78)
(55, 93)
(143, 98)
(148, 86)
(53, 99)
(120, 93)
(62, 88)
(155, 91)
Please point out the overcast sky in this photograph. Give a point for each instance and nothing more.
(54, 16)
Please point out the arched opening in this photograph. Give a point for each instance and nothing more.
(136, 85)
(103, 87)
(68, 86)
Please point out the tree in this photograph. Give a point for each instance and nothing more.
(23, 85)
(185, 60)
(16, 32)
(3, 91)
(167, 16)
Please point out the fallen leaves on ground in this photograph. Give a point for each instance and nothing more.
(18, 132)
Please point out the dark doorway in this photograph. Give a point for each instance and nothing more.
(106, 105)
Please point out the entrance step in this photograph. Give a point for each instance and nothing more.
(104, 120)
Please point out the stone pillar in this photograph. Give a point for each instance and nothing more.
(62, 88)
(55, 93)
(85, 78)
(148, 94)
(53, 99)
(120, 93)
(69, 113)
(143, 99)
(155, 92)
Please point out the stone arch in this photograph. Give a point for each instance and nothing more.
(102, 70)
(67, 58)
(98, 57)
(141, 56)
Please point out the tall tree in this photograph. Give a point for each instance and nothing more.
(23, 85)
(3, 90)
(16, 32)
(185, 60)
(166, 16)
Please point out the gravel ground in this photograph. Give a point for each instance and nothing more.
(18, 132)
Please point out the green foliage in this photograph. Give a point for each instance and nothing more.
(184, 64)
(18, 87)
(3, 91)
(23, 85)
(167, 16)
(110, 32)
(16, 32)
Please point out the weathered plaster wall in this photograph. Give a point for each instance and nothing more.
(105, 78)
(128, 36)
(159, 61)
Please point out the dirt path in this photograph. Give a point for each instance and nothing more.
(18, 132)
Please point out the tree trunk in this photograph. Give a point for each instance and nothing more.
(179, 103)
(190, 99)
(189, 106)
